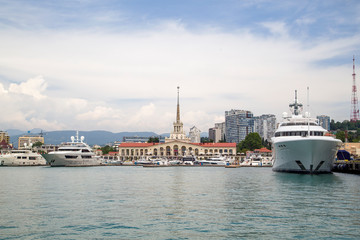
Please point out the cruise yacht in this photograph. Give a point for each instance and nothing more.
(300, 145)
(73, 154)
(25, 157)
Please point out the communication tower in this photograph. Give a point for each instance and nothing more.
(354, 116)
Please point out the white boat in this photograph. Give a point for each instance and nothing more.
(73, 154)
(143, 161)
(161, 161)
(300, 145)
(175, 162)
(24, 157)
(217, 160)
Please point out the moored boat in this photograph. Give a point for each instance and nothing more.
(301, 145)
(73, 154)
(24, 157)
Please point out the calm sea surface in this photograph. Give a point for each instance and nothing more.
(176, 203)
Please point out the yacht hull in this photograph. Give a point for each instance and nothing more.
(312, 155)
(60, 160)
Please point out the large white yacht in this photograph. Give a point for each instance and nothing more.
(300, 145)
(74, 154)
(25, 157)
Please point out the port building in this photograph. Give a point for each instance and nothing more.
(176, 145)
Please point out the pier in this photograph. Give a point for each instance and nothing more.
(347, 166)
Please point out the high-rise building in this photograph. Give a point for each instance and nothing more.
(238, 124)
(265, 125)
(324, 121)
(214, 134)
(222, 128)
(194, 135)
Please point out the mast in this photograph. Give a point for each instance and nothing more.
(354, 116)
(295, 106)
(308, 113)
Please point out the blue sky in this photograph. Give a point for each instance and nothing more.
(115, 65)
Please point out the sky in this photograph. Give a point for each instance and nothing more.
(115, 64)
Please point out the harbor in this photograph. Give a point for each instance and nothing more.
(176, 203)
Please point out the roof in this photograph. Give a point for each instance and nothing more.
(197, 144)
(263, 150)
(132, 144)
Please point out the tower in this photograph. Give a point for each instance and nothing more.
(354, 116)
(178, 130)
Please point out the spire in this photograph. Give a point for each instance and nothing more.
(178, 107)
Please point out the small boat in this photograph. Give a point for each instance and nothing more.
(217, 160)
(143, 161)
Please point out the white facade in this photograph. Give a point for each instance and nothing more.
(215, 134)
(221, 127)
(265, 125)
(194, 135)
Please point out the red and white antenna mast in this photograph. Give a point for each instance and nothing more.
(354, 116)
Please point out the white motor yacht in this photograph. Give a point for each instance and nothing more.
(301, 145)
(73, 154)
(25, 157)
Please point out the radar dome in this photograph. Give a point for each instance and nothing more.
(285, 114)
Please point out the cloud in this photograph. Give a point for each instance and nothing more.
(33, 87)
(87, 70)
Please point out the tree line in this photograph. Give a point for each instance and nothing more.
(349, 130)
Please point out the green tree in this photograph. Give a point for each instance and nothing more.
(252, 141)
(153, 140)
(340, 135)
(206, 140)
(107, 149)
(37, 144)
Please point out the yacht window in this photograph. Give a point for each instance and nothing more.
(85, 150)
(32, 158)
(69, 156)
(82, 156)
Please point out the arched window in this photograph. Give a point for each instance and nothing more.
(183, 150)
(176, 150)
(161, 151)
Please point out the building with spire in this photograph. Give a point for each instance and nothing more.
(178, 132)
(177, 145)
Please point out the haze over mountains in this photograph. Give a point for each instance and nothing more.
(91, 137)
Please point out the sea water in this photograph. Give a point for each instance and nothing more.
(120, 202)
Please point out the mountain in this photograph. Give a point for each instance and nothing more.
(91, 137)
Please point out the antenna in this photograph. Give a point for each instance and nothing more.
(354, 116)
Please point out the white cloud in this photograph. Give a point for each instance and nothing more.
(33, 87)
(88, 72)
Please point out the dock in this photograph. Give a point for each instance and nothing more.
(347, 166)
